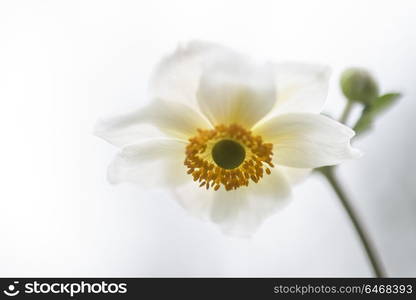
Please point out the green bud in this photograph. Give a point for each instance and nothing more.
(358, 85)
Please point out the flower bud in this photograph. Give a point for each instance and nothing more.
(358, 85)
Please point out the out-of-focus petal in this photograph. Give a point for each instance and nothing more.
(152, 163)
(308, 140)
(239, 212)
(294, 175)
(177, 76)
(235, 90)
(173, 119)
(301, 88)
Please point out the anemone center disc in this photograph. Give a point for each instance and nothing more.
(228, 154)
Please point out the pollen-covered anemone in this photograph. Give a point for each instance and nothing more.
(228, 136)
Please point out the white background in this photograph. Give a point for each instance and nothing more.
(64, 64)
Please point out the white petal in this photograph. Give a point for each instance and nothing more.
(177, 76)
(241, 215)
(235, 90)
(300, 88)
(173, 119)
(308, 140)
(155, 162)
(294, 175)
(239, 212)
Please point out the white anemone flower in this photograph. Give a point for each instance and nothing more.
(232, 136)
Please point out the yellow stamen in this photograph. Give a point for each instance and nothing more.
(205, 170)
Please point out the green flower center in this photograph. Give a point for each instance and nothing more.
(228, 154)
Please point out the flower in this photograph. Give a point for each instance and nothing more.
(232, 134)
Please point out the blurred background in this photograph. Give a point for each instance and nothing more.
(64, 64)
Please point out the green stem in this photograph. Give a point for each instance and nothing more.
(346, 112)
(373, 258)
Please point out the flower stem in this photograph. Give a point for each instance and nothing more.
(346, 113)
(372, 256)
